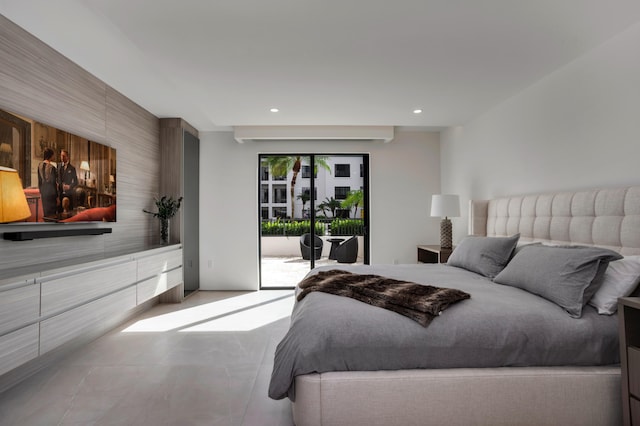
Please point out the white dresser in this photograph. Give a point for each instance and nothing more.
(42, 311)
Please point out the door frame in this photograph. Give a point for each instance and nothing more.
(365, 205)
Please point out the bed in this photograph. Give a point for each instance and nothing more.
(551, 364)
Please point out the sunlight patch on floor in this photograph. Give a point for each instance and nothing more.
(244, 312)
(249, 319)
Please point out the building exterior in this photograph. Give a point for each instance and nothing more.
(346, 174)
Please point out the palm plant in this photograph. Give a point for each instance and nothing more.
(354, 199)
(304, 197)
(330, 204)
(322, 207)
(279, 166)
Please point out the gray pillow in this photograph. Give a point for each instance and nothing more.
(483, 255)
(565, 275)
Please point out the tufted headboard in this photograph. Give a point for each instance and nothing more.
(602, 217)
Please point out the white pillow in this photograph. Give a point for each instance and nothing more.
(620, 279)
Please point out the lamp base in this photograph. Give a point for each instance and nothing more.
(446, 234)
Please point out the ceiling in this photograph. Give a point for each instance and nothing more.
(223, 63)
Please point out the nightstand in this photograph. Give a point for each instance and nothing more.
(433, 254)
(629, 316)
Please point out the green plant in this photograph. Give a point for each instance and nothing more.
(279, 166)
(286, 227)
(347, 227)
(304, 197)
(354, 199)
(167, 207)
(330, 204)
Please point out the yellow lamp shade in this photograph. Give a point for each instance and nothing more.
(13, 202)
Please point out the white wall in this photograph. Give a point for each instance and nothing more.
(403, 175)
(577, 128)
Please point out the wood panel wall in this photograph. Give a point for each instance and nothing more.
(40, 83)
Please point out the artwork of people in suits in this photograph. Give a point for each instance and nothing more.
(48, 183)
(68, 180)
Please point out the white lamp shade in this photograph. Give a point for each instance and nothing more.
(13, 202)
(84, 166)
(445, 205)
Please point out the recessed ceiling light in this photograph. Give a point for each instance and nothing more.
(274, 110)
(417, 111)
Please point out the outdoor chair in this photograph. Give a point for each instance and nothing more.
(305, 246)
(347, 252)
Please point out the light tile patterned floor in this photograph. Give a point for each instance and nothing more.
(206, 361)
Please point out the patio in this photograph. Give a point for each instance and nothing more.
(287, 271)
(282, 264)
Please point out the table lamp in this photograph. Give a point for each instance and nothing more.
(445, 206)
(6, 153)
(84, 165)
(13, 202)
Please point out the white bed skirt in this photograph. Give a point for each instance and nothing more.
(466, 396)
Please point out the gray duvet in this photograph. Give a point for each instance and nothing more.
(498, 326)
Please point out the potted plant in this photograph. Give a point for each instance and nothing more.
(167, 208)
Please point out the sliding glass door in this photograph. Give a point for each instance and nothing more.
(313, 212)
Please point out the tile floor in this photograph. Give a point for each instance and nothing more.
(206, 361)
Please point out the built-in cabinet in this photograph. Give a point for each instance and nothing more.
(151, 283)
(180, 177)
(19, 312)
(19, 303)
(46, 310)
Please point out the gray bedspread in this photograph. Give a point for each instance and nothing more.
(498, 326)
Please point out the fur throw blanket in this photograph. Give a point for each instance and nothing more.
(419, 302)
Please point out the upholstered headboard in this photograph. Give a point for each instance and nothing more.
(602, 217)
